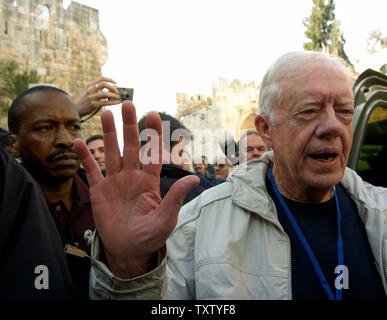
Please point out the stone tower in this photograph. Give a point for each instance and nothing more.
(64, 45)
(231, 109)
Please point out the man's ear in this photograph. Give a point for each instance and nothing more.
(264, 127)
(14, 147)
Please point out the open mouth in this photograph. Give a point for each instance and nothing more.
(323, 157)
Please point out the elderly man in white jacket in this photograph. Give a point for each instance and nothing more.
(296, 224)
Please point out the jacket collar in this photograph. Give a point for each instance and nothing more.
(249, 192)
(249, 189)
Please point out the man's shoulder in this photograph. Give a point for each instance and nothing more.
(210, 197)
(173, 172)
(367, 196)
(356, 186)
(12, 171)
(4, 141)
(217, 193)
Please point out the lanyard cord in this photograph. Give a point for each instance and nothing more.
(312, 258)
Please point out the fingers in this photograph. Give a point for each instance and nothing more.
(103, 98)
(104, 87)
(91, 167)
(174, 199)
(131, 138)
(101, 83)
(113, 161)
(105, 103)
(107, 95)
(154, 144)
(100, 80)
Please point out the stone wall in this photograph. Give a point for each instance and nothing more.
(65, 46)
(231, 108)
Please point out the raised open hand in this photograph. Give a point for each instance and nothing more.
(132, 220)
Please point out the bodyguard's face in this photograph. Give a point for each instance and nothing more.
(48, 127)
(312, 136)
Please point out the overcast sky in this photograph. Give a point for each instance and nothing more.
(163, 47)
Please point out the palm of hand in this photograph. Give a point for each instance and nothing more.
(131, 219)
(125, 207)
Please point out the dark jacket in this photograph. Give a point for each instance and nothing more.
(28, 238)
(209, 174)
(170, 174)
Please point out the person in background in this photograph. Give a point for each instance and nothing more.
(251, 146)
(185, 162)
(222, 169)
(204, 169)
(199, 166)
(209, 171)
(175, 138)
(98, 93)
(97, 149)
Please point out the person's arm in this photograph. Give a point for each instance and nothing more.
(104, 285)
(131, 219)
(100, 92)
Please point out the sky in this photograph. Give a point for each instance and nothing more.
(163, 47)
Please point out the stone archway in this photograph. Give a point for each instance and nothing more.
(247, 124)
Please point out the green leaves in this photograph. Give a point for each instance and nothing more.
(324, 30)
(12, 83)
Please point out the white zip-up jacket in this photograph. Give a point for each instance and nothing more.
(229, 243)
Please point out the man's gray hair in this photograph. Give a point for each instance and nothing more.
(246, 133)
(284, 70)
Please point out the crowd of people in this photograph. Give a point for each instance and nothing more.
(289, 220)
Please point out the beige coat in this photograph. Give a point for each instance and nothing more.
(229, 244)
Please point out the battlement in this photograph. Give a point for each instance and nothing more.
(222, 91)
(64, 45)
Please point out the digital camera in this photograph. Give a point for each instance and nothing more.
(125, 93)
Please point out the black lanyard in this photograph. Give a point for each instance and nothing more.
(304, 242)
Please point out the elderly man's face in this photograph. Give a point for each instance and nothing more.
(312, 135)
(222, 168)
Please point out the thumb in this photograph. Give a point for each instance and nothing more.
(174, 199)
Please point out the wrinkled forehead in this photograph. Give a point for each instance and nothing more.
(300, 73)
(316, 79)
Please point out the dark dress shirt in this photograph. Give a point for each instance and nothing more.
(72, 225)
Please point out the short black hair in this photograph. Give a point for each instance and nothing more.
(95, 137)
(17, 106)
(174, 124)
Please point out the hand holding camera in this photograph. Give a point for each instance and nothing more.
(98, 93)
